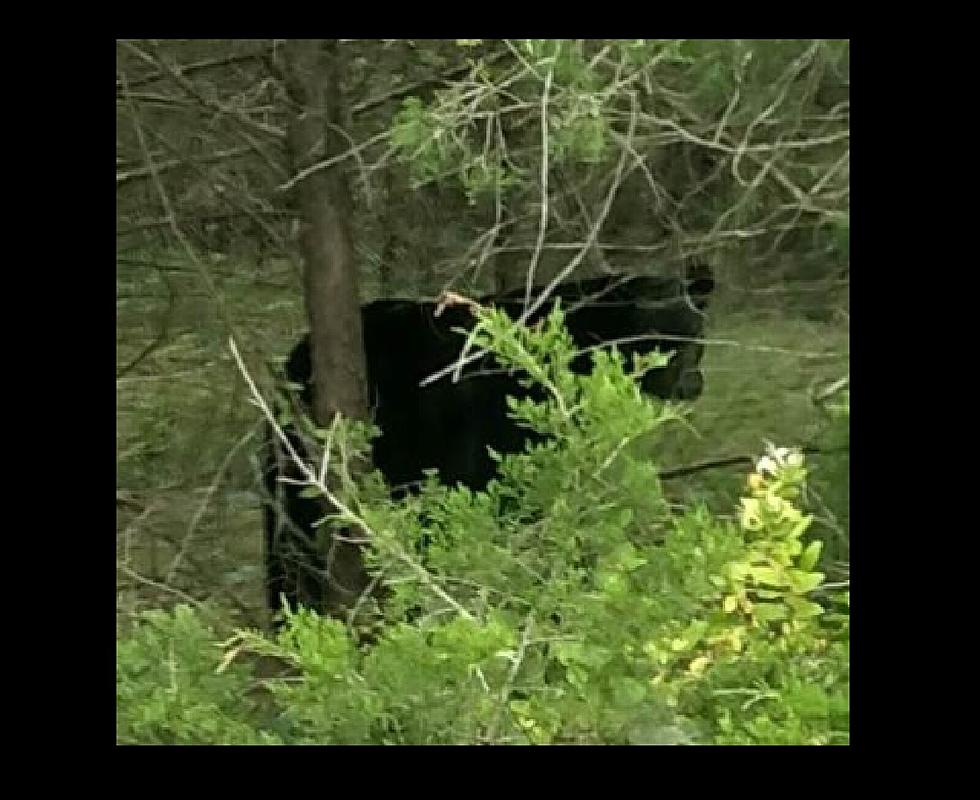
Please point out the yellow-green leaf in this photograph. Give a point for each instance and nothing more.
(810, 556)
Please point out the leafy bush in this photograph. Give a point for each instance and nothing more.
(566, 603)
(173, 686)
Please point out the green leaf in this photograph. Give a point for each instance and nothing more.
(769, 612)
(800, 527)
(811, 555)
(810, 702)
(766, 575)
(803, 582)
(804, 609)
(629, 691)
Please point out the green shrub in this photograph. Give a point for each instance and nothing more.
(566, 603)
(173, 686)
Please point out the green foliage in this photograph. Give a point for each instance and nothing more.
(423, 138)
(841, 237)
(567, 603)
(481, 177)
(172, 686)
(456, 132)
(581, 132)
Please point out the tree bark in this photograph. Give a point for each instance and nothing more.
(312, 75)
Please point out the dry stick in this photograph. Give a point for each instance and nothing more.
(802, 198)
(260, 149)
(543, 222)
(247, 610)
(498, 201)
(193, 91)
(736, 96)
(131, 528)
(164, 166)
(457, 366)
(832, 389)
(218, 156)
(528, 66)
(163, 586)
(484, 243)
(730, 461)
(345, 512)
(305, 173)
(762, 348)
(786, 78)
(603, 246)
(738, 153)
(198, 66)
(327, 447)
(199, 218)
(733, 149)
(160, 99)
(831, 172)
(750, 190)
(752, 152)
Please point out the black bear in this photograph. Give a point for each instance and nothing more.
(449, 426)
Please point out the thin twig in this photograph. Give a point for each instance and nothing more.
(199, 514)
(158, 585)
(545, 164)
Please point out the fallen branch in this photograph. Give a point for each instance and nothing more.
(731, 461)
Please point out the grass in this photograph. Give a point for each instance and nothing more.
(757, 390)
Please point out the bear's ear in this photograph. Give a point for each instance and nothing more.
(700, 284)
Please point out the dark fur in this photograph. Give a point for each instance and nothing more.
(449, 426)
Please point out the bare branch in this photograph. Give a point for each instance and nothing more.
(545, 165)
(161, 586)
(165, 166)
(188, 86)
(197, 66)
(731, 461)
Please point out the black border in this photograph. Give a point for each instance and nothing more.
(887, 158)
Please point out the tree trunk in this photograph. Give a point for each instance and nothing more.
(312, 75)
